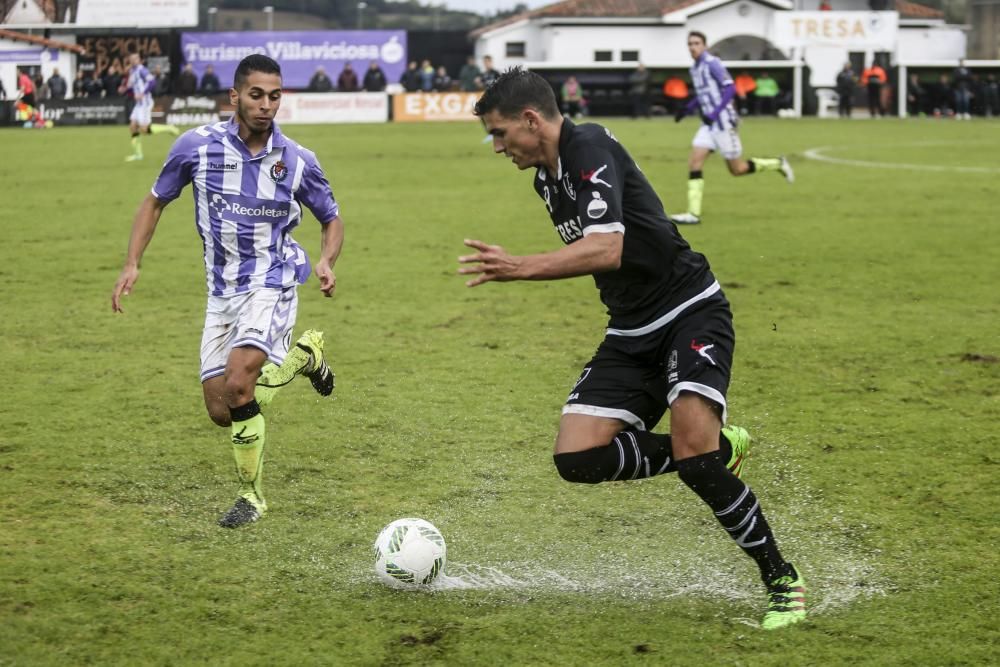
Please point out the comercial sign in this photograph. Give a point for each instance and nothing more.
(322, 108)
(850, 30)
(85, 111)
(418, 107)
(35, 56)
(298, 52)
(102, 51)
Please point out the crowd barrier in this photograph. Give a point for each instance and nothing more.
(313, 108)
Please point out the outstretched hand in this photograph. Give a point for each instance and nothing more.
(123, 287)
(491, 263)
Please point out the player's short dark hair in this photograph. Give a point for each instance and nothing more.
(254, 63)
(695, 33)
(515, 90)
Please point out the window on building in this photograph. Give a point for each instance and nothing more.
(630, 56)
(515, 49)
(603, 56)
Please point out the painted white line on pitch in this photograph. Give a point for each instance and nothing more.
(817, 154)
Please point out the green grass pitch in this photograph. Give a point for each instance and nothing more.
(868, 327)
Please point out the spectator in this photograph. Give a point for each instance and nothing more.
(766, 94)
(374, 78)
(93, 85)
(745, 85)
(57, 85)
(411, 78)
(347, 82)
(161, 83)
(41, 88)
(3, 91)
(320, 82)
(187, 81)
(873, 78)
(426, 76)
(846, 81)
(675, 90)
(442, 82)
(112, 81)
(942, 97)
(916, 97)
(25, 88)
(209, 82)
(572, 98)
(962, 82)
(469, 76)
(79, 84)
(488, 75)
(638, 91)
(825, 6)
(991, 96)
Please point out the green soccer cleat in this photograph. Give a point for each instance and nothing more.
(249, 507)
(133, 158)
(740, 440)
(317, 370)
(786, 601)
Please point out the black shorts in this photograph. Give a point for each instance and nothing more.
(636, 378)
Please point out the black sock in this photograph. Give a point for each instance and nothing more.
(737, 509)
(694, 174)
(751, 166)
(631, 455)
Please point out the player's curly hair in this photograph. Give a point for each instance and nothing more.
(255, 62)
(515, 90)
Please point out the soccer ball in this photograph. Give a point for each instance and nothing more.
(409, 552)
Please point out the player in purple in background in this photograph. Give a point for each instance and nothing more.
(249, 182)
(713, 100)
(139, 83)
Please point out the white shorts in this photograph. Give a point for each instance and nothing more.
(142, 113)
(724, 142)
(260, 318)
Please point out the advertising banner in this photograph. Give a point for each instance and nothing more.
(298, 52)
(101, 13)
(35, 56)
(419, 107)
(854, 31)
(85, 111)
(188, 111)
(322, 108)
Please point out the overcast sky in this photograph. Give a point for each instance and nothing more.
(489, 6)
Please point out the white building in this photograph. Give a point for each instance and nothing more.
(18, 49)
(617, 34)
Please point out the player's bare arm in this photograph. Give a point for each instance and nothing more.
(332, 242)
(143, 227)
(595, 253)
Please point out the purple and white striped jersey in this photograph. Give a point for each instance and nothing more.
(247, 205)
(710, 79)
(140, 83)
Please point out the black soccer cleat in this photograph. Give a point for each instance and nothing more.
(321, 377)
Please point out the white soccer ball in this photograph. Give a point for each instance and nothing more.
(409, 553)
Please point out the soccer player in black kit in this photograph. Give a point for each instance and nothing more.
(669, 341)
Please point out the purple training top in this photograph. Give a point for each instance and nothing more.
(247, 205)
(711, 81)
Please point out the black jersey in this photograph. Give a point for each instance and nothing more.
(599, 189)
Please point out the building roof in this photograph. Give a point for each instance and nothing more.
(649, 9)
(40, 41)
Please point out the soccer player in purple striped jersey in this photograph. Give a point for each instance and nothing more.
(713, 100)
(249, 183)
(139, 84)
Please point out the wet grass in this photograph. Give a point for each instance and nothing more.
(868, 329)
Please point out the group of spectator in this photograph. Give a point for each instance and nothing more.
(957, 96)
(427, 78)
(347, 81)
